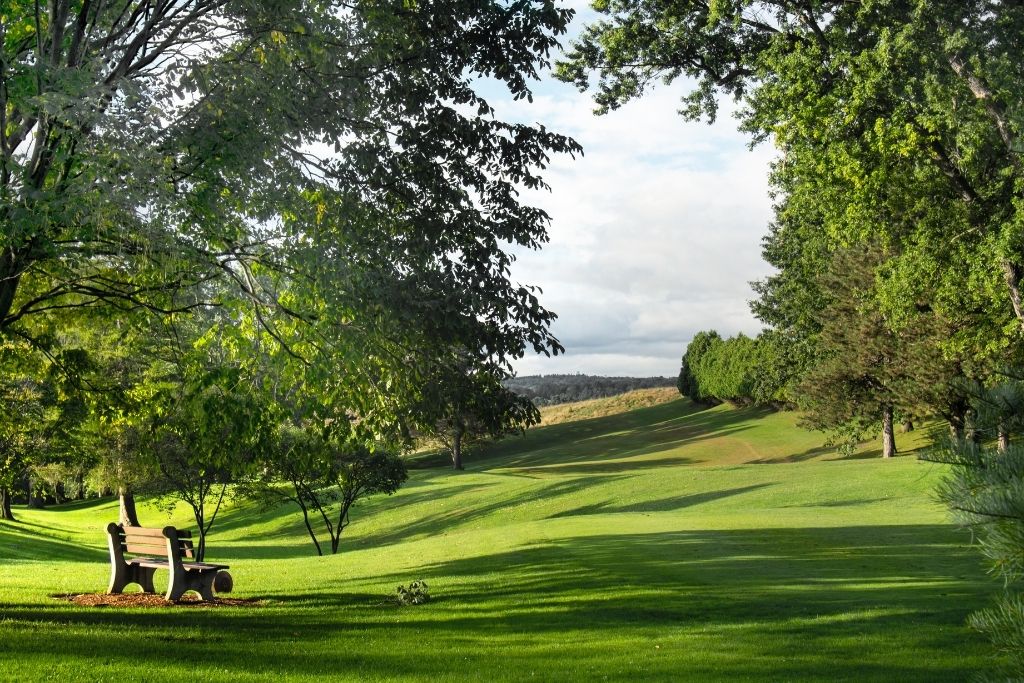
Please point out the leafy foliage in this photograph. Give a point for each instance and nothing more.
(42, 409)
(416, 593)
(462, 401)
(324, 175)
(314, 467)
(739, 369)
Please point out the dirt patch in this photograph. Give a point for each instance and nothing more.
(152, 600)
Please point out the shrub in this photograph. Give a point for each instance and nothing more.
(416, 594)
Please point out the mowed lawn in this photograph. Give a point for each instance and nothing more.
(666, 543)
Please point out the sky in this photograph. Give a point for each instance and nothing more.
(656, 231)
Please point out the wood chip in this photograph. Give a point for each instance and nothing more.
(152, 600)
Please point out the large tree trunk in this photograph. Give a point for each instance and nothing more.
(888, 437)
(5, 505)
(129, 517)
(457, 449)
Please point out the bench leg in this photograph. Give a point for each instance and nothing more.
(118, 577)
(183, 580)
(176, 583)
(205, 587)
(122, 574)
(145, 579)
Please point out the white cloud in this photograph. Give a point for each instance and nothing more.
(656, 231)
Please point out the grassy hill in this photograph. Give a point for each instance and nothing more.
(662, 543)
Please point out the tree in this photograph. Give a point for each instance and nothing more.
(692, 366)
(984, 490)
(41, 411)
(740, 369)
(328, 165)
(120, 465)
(308, 468)
(852, 386)
(462, 401)
(204, 434)
(204, 419)
(896, 119)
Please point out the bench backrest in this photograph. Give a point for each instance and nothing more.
(137, 540)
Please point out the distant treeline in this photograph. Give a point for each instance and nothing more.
(546, 390)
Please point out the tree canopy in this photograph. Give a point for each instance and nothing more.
(322, 180)
(896, 119)
(331, 162)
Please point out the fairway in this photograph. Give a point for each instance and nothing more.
(665, 543)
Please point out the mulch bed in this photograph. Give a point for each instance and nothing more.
(153, 600)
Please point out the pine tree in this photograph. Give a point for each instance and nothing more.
(985, 491)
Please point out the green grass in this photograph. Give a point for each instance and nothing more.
(666, 543)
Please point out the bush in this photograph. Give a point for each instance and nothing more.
(416, 594)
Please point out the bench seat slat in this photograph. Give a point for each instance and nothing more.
(144, 532)
(148, 547)
(203, 566)
(149, 562)
(163, 564)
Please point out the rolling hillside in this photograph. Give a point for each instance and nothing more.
(662, 543)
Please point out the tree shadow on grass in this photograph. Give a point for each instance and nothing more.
(623, 466)
(617, 437)
(453, 518)
(19, 541)
(669, 504)
(784, 603)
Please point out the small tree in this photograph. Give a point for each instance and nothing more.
(322, 478)
(121, 466)
(463, 400)
(699, 348)
(19, 437)
(852, 387)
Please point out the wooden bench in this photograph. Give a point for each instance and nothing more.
(153, 549)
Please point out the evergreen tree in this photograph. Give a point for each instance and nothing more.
(985, 491)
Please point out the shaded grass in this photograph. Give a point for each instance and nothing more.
(640, 546)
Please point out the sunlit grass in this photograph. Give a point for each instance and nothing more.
(667, 543)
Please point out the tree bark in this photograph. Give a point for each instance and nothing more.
(1003, 440)
(129, 517)
(457, 449)
(1012, 275)
(956, 433)
(5, 505)
(10, 276)
(35, 502)
(200, 549)
(888, 437)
